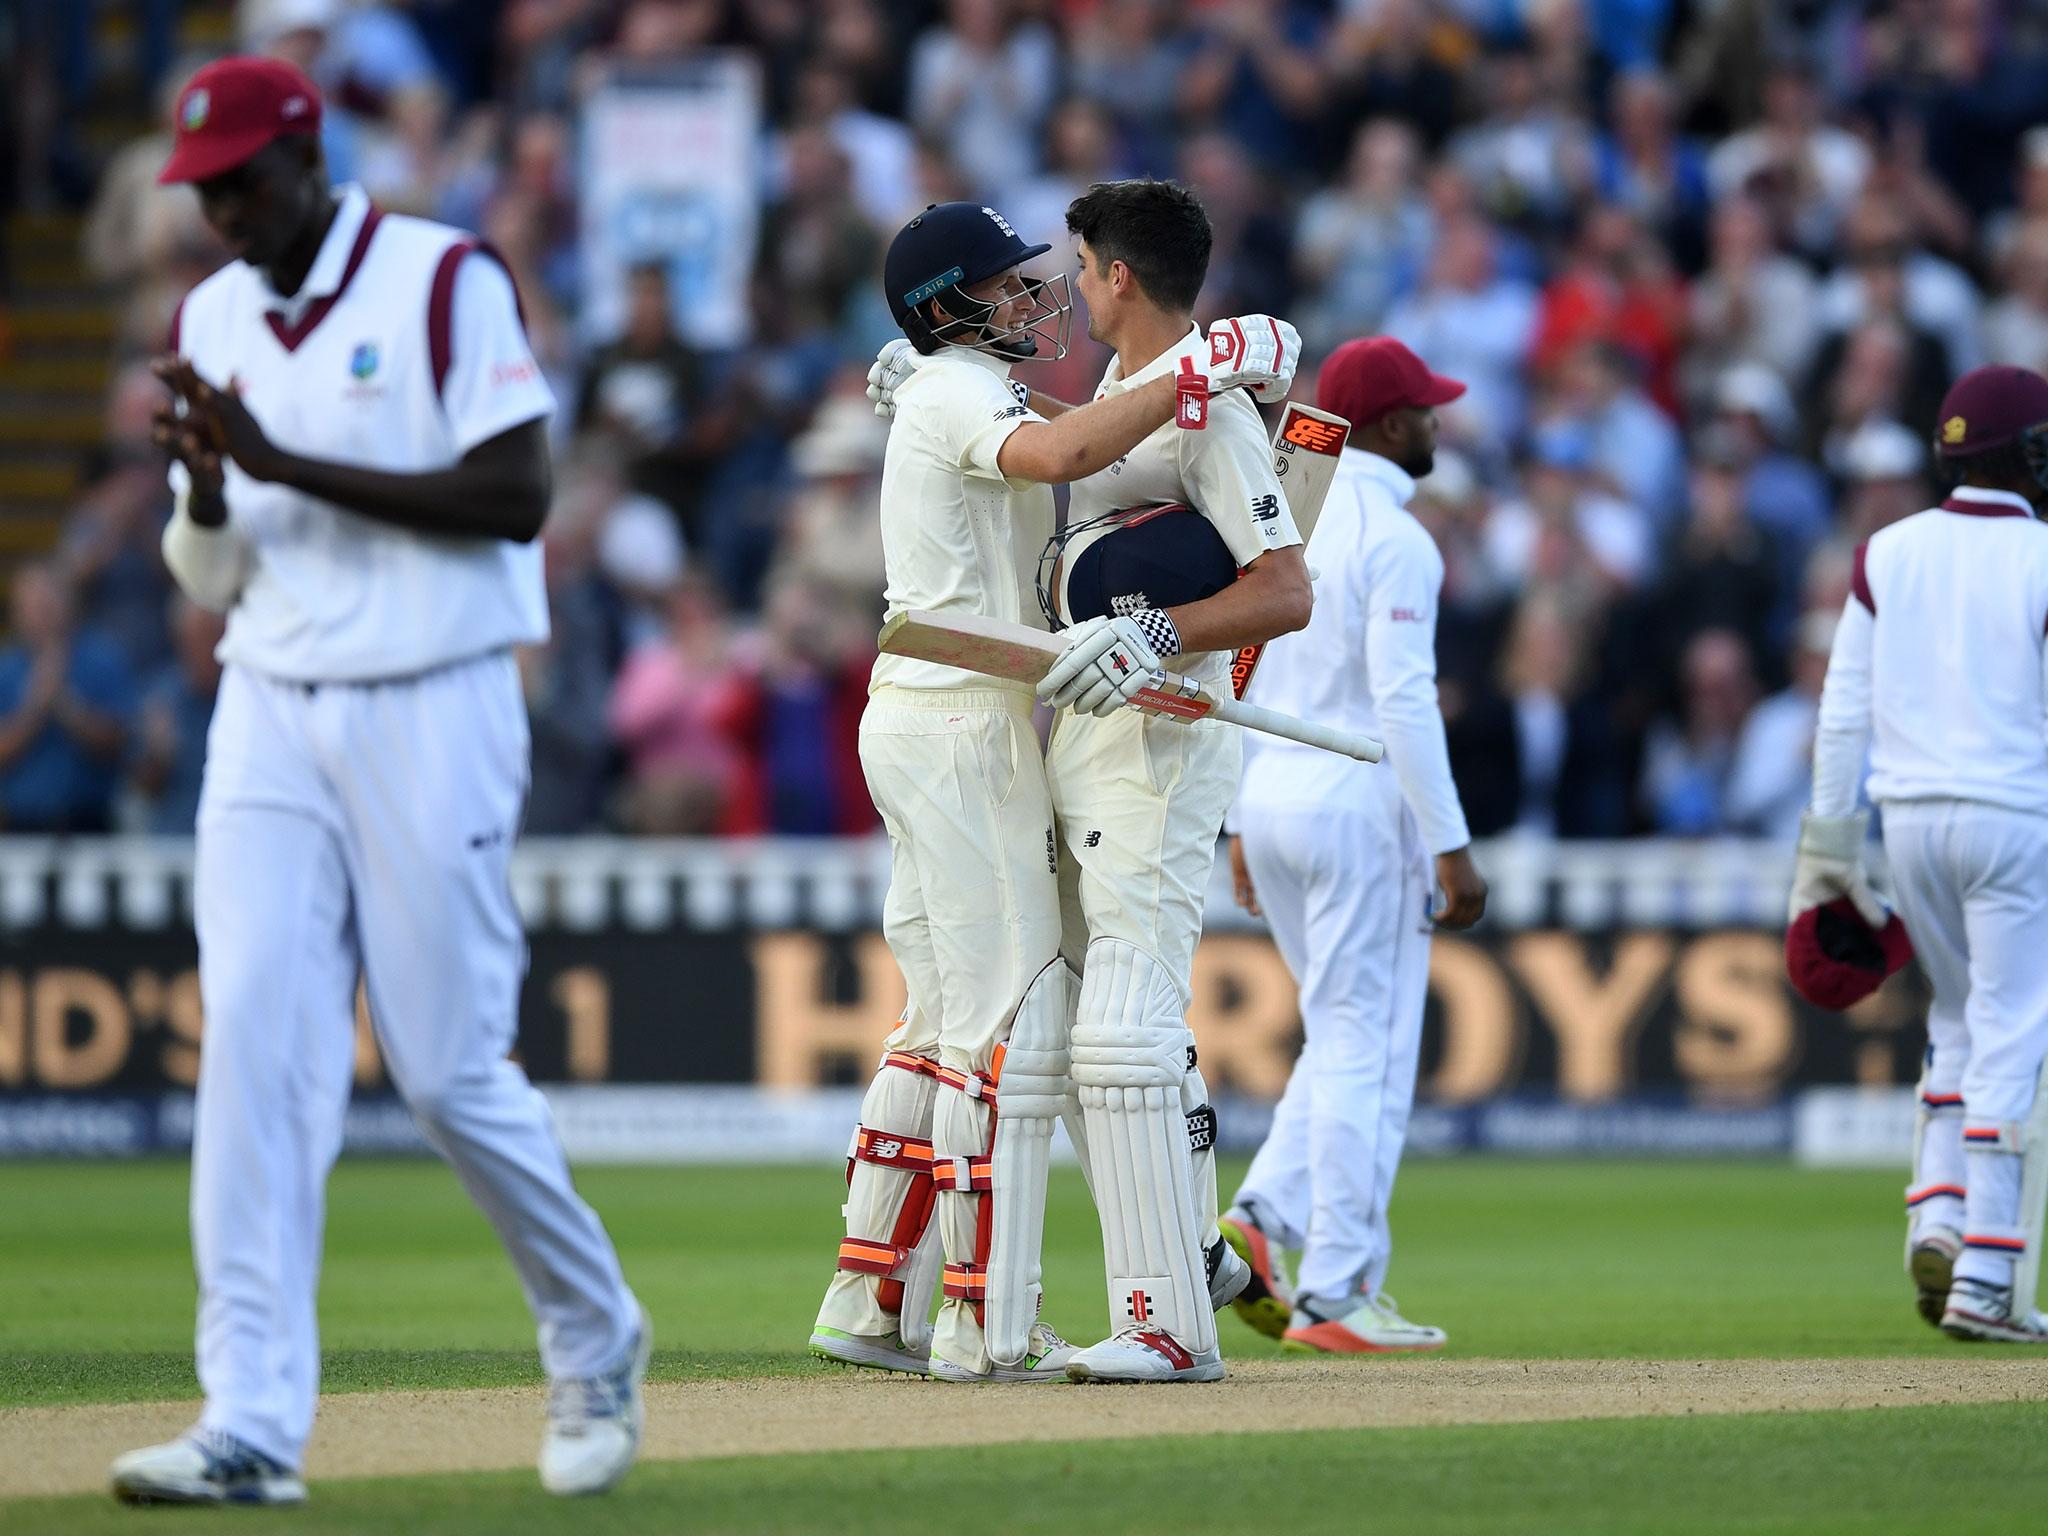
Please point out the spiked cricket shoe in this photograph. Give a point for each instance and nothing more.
(1045, 1359)
(1144, 1354)
(1267, 1301)
(1372, 1327)
(204, 1466)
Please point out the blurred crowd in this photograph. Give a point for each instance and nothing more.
(1707, 266)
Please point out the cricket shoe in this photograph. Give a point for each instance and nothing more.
(1229, 1275)
(594, 1422)
(1983, 1313)
(1930, 1264)
(1267, 1301)
(1374, 1326)
(1045, 1359)
(1143, 1354)
(204, 1466)
(870, 1351)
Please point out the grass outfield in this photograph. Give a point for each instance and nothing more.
(1563, 1260)
(1810, 1474)
(1544, 1259)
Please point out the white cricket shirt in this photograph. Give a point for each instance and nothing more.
(402, 351)
(1937, 663)
(957, 535)
(1365, 662)
(1224, 472)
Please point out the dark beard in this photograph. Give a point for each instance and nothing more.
(1419, 466)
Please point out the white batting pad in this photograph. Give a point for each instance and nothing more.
(1130, 1055)
(1031, 1093)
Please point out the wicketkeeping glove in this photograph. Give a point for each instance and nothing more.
(1830, 864)
(1106, 661)
(896, 362)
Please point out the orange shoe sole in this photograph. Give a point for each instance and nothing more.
(1336, 1339)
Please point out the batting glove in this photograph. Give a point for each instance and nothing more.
(896, 362)
(1829, 864)
(1106, 662)
(1257, 352)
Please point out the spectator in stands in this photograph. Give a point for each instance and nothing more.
(1804, 170)
(2016, 326)
(832, 535)
(169, 759)
(1645, 166)
(1385, 61)
(108, 548)
(1529, 154)
(671, 712)
(1615, 285)
(1251, 261)
(302, 33)
(1884, 472)
(799, 689)
(66, 700)
(881, 155)
(1080, 150)
(982, 82)
(817, 248)
(1886, 272)
(1883, 369)
(1126, 57)
(1256, 72)
(1723, 574)
(645, 393)
(1565, 528)
(1753, 304)
(1363, 242)
(1771, 779)
(566, 678)
(2030, 201)
(1784, 496)
(1474, 325)
(1687, 760)
(1635, 447)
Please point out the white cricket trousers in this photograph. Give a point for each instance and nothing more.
(1346, 889)
(366, 829)
(1972, 884)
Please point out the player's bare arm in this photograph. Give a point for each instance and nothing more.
(1087, 438)
(498, 490)
(1272, 598)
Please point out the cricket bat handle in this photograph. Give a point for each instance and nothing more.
(1186, 699)
(1273, 723)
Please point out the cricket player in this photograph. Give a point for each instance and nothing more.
(360, 468)
(957, 1123)
(1140, 798)
(1937, 669)
(1346, 860)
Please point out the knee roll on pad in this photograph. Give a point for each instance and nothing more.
(888, 1177)
(1131, 1064)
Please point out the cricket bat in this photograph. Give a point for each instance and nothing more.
(999, 649)
(1306, 444)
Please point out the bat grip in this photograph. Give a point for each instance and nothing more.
(1273, 723)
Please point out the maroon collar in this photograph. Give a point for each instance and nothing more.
(289, 336)
(1970, 506)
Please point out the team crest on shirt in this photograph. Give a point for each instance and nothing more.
(365, 382)
(363, 361)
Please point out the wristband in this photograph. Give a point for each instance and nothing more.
(1159, 631)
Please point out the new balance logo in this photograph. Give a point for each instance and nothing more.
(1265, 509)
(1092, 840)
(882, 1147)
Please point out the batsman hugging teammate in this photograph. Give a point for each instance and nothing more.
(955, 1129)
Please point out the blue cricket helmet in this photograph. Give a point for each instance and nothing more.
(951, 245)
(1151, 557)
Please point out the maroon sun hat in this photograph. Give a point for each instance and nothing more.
(1988, 407)
(232, 108)
(1364, 379)
(1834, 958)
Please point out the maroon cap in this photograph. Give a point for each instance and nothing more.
(232, 108)
(1364, 379)
(1834, 958)
(1988, 407)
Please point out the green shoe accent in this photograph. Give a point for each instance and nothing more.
(1258, 1307)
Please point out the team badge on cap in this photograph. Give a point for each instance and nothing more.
(197, 105)
(1954, 430)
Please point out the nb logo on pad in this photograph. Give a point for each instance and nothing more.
(883, 1147)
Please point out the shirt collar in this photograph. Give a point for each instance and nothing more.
(1160, 366)
(999, 366)
(1984, 502)
(323, 278)
(1399, 483)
